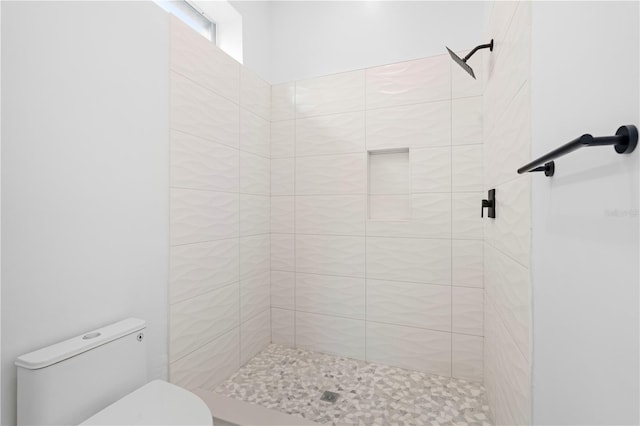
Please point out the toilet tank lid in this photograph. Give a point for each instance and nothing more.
(92, 339)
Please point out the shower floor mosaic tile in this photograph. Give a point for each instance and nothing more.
(293, 381)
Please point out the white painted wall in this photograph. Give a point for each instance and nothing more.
(256, 35)
(84, 175)
(585, 229)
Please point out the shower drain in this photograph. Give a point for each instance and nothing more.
(329, 396)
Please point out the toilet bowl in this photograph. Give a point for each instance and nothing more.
(100, 378)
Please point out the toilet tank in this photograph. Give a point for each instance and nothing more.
(68, 382)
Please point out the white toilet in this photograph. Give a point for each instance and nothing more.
(100, 378)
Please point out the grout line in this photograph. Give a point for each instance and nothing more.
(451, 212)
(366, 212)
(239, 238)
(295, 254)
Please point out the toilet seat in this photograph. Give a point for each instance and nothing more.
(156, 403)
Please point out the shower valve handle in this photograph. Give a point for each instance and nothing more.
(489, 204)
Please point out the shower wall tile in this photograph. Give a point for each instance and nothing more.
(409, 259)
(283, 97)
(467, 223)
(331, 94)
(467, 168)
(202, 164)
(255, 133)
(198, 216)
(467, 267)
(282, 214)
(254, 296)
(282, 252)
(462, 84)
(467, 357)
(389, 207)
(255, 335)
(254, 255)
(466, 119)
(283, 289)
(200, 112)
(331, 174)
(467, 310)
(415, 305)
(338, 336)
(201, 61)
(254, 174)
(282, 327)
(254, 214)
(330, 134)
(255, 93)
(410, 82)
(202, 319)
(409, 347)
(331, 255)
(209, 365)
(282, 176)
(283, 139)
(412, 126)
(195, 269)
(330, 295)
(331, 214)
(431, 169)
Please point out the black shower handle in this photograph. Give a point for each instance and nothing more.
(489, 204)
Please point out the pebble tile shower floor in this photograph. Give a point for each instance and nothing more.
(292, 381)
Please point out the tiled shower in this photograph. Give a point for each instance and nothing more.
(340, 214)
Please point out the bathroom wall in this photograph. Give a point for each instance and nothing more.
(219, 208)
(84, 175)
(380, 258)
(507, 136)
(585, 252)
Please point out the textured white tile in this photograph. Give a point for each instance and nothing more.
(467, 263)
(409, 259)
(410, 82)
(282, 252)
(389, 207)
(198, 268)
(323, 333)
(389, 173)
(417, 305)
(330, 134)
(283, 97)
(254, 255)
(198, 216)
(431, 169)
(331, 295)
(255, 335)
(282, 289)
(462, 84)
(330, 255)
(331, 214)
(283, 139)
(413, 126)
(254, 296)
(282, 214)
(331, 174)
(282, 176)
(254, 214)
(468, 310)
(200, 112)
(409, 347)
(467, 223)
(511, 231)
(467, 168)
(209, 365)
(466, 118)
(203, 62)
(202, 164)
(467, 357)
(282, 327)
(330, 94)
(254, 174)
(255, 133)
(197, 321)
(255, 93)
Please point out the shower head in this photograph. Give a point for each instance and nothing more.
(463, 61)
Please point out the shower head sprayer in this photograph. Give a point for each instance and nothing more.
(463, 61)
